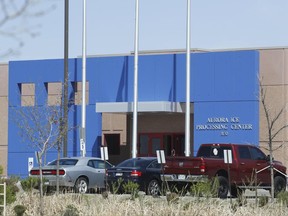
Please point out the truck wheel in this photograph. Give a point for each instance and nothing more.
(236, 192)
(153, 188)
(223, 187)
(279, 184)
(81, 185)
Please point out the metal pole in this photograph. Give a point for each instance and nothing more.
(66, 56)
(5, 197)
(83, 123)
(135, 104)
(187, 114)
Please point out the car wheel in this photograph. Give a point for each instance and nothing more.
(153, 188)
(223, 187)
(81, 185)
(279, 184)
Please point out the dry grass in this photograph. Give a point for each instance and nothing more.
(94, 204)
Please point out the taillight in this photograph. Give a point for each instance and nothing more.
(54, 172)
(47, 172)
(202, 168)
(34, 172)
(136, 173)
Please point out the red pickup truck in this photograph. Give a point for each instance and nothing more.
(209, 163)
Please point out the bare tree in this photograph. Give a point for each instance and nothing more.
(12, 13)
(40, 127)
(272, 117)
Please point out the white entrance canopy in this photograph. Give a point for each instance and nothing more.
(148, 106)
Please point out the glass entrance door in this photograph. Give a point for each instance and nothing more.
(173, 144)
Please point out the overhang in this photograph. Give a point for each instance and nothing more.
(148, 106)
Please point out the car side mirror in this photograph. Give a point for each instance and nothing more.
(268, 158)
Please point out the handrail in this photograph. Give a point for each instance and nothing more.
(4, 200)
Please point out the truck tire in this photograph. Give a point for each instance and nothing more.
(223, 187)
(153, 188)
(279, 184)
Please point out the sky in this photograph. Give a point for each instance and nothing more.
(221, 24)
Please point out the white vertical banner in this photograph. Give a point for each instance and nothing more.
(30, 163)
(161, 156)
(104, 153)
(227, 156)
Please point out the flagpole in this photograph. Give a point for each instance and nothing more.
(83, 123)
(135, 104)
(187, 114)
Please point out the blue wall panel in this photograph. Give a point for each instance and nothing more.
(225, 76)
(226, 96)
(226, 122)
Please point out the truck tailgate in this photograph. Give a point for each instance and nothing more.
(184, 169)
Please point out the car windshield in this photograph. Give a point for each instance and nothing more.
(71, 162)
(136, 162)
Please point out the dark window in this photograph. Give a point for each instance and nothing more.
(244, 152)
(257, 154)
(154, 165)
(112, 141)
(156, 145)
(98, 164)
(135, 162)
(204, 151)
(70, 162)
(144, 141)
(167, 144)
(213, 151)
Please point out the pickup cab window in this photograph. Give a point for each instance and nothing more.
(244, 152)
(212, 151)
(257, 154)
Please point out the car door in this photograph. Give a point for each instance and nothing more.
(98, 167)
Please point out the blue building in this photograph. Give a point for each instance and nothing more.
(224, 102)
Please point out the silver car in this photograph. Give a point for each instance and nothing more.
(81, 173)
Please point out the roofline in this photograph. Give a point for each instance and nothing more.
(193, 50)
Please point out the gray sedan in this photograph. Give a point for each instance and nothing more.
(81, 173)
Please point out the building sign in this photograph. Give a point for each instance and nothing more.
(224, 125)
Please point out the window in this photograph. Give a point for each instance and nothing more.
(27, 91)
(257, 154)
(144, 142)
(71, 162)
(204, 151)
(112, 141)
(156, 145)
(54, 91)
(154, 165)
(244, 152)
(77, 87)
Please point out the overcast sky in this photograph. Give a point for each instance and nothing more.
(215, 24)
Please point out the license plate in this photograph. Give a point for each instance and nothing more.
(119, 174)
(181, 177)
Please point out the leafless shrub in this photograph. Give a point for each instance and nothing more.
(118, 205)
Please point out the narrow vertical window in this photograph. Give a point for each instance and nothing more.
(77, 87)
(54, 92)
(27, 94)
